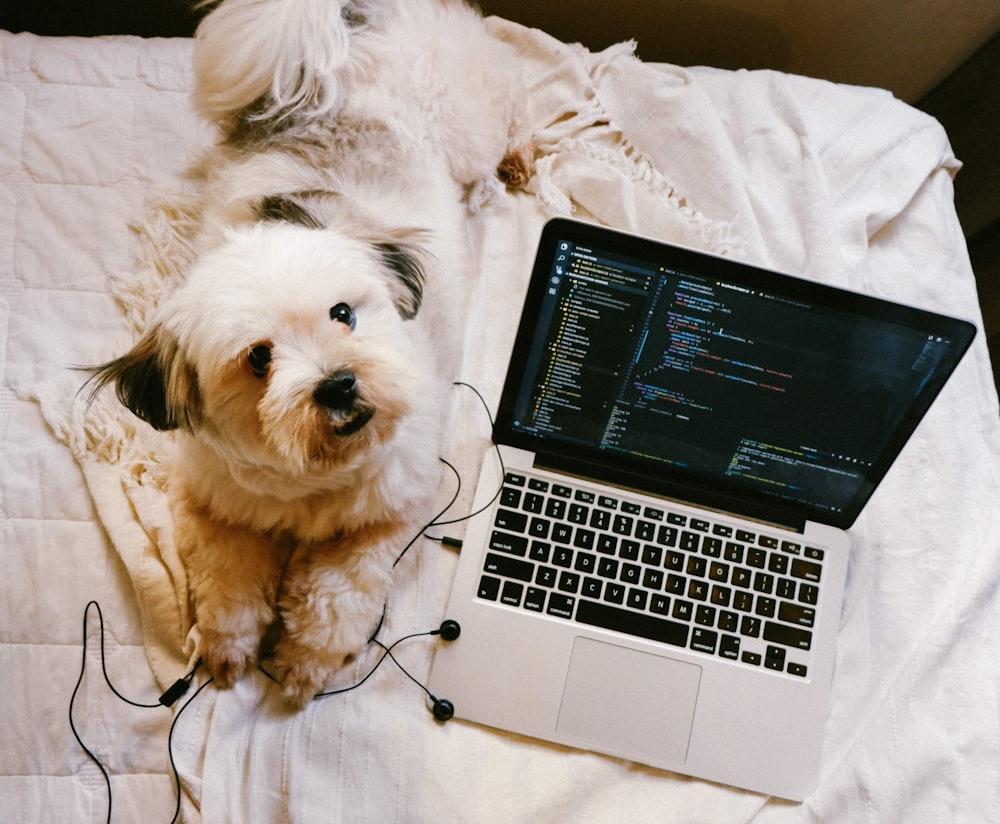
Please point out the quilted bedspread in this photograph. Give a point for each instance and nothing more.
(839, 184)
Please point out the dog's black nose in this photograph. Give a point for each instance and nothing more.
(337, 392)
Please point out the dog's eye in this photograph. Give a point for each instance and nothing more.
(342, 313)
(259, 359)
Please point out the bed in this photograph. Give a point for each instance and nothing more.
(840, 184)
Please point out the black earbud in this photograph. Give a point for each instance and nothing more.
(449, 630)
(443, 709)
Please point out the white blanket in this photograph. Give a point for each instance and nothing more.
(839, 184)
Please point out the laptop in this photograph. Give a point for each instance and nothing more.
(683, 441)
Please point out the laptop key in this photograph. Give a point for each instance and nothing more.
(704, 640)
(775, 658)
(561, 605)
(562, 533)
(629, 550)
(539, 528)
(555, 508)
(645, 531)
(533, 503)
(796, 614)
(511, 544)
(806, 570)
(489, 587)
(637, 598)
(712, 547)
(631, 573)
(569, 582)
(622, 525)
(652, 555)
(675, 584)
(639, 624)
(540, 551)
(704, 615)
(729, 621)
(600, 519)
(729, 647)
(614, 593)
(509, 567)
(546, 576)
(660, 604)
(562, 556)
(808, 594)
(511, 594)
(787, 635)
(607, 568)
(667, 535)
(534, 599)
(690, 541)
(510, 497)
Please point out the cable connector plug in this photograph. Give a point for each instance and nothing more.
(178, 689)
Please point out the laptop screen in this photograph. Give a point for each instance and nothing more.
(727, 385)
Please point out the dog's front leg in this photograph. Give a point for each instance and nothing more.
(331, 601)
(233, 574)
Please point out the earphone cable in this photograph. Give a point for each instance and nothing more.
(503, 469)
(170, 749)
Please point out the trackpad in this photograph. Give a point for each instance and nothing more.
(629, 703)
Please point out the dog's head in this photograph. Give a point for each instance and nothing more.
(288, 347)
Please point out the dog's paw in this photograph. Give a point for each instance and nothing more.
(303, 671)
(227, 657)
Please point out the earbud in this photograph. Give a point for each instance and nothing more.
(443, 709)
(449, 630)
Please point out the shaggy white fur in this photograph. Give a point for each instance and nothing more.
(303, 358)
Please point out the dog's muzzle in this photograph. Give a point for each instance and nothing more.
(338, 394)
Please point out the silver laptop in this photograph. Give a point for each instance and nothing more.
(684, 441)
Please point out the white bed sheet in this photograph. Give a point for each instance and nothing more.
(841, 184)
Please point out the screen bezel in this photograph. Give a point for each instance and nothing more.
(687, 486)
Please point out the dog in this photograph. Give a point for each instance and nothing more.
(305, 358)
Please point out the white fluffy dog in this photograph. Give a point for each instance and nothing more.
(305, 356)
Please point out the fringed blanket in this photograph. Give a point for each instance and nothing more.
(843, 185)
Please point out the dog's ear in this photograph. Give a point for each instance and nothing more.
(404, 261)
(155, 382)
(284, 208)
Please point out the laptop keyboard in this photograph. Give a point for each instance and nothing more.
(611, 562)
